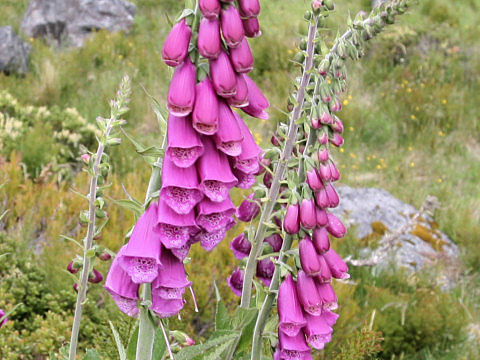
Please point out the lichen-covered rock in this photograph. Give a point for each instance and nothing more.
(70, 22)
(14, 52)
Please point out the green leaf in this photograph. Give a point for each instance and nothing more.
(243, 317)
(222, 320)
(218, 351)
(91, 354)
(132, 205)
(192, 352)
(132, 345)
(159, 345)
(8, 313)
(151, 151)
(121, 349)
(4, 214)
(4, 255)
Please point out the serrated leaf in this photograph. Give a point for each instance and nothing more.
(132, 345)
(192, 352)
(121, 349)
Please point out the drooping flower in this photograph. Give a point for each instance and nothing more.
(329, 299)
(265, 269)
(209, 8)
(228, 137)
(325, 275)
(291, 319)
(245, 181)
(184, 145)
(223, 76)
(337, 266)
(318, 331)
(251, 27)
(321, 216)
(309, 257)
(241, 246)
(175, 48)
(249, 8)
(181, 93)
(332, 195)
(249, 159)
(235, 281)
(313, 180)
(293, 347)
(205, 112)
(165, 308)
(248, 209)
(209, 240)
(308, 217)
(320, 240)
(242, 58)
(308, 294)
(275, 241)
(291, 222)
(209, 42)
(95, 277)
(335, 226)
(232, 27)
(171, 280)
(73, 268)
(257, 102)
(213, 216)
(240, 99)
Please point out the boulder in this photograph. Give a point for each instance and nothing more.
(14, 52)
(70, 22)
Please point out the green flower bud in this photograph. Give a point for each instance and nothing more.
(299, 57)
(329, 5)
(308, 15)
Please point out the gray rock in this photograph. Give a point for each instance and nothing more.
(70, 22)
(14, 52)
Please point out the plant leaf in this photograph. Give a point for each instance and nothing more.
(121, 349)
(192, 352)
(132, 205)
(132, 345)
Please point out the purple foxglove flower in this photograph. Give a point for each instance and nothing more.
(325, 275)
(248, 209)
(325, 117)
(171, 280)
(241, 246)
(320, 240)
(337, 266)
(184, 145)
(315, 122)
(257, 102)
(235, 281)
(104, 256)
(329, 299)
(313, 180)
(95, 277)
(175, 48)
(228, 137)
(332, 195)
(321, 216)
(124, 291)
(334, 174)
(216, 178)
(293, 347)
(323, 155)
(213, 216)
(318, 331)
(335, 105)
(165, 308)
(248, 160)
(209, 8)
(338, 126)
(324, 172)
(275, 242)
(141, 256)
(223, 76)
(174, 230)
(336, 140)
(240, 99)
(209, 240)
(265, 269)
(308, 294)
(290, 313)
(209, 42)
(323, 138)
(321, 199)
(232, 27)
(205, 112)
(251, 27)
(181, 93)
(180, 187)
(309, 257)
(308, 218)
(276, 355)
(249, 8)
(2, 314)
(242, 58)
(335, 226)
(267, 179)
(182, 252)
(72, 268)
(291, 222)
(245, 181)
(330, 317)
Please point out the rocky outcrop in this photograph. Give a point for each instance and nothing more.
(14, 52)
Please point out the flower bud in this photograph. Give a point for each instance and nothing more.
(241, 57)
(257, 102)
(73, 267)
(2, 314)
(181, 93)
(251, 27)
(249, 8)
(335, 105)
(175, 48)
(307, 214)
(235, 281)
(335, 226)
(209, 42)
(267, 179)
(265, 269)
(338, 126)
(241, 247)
(291, 222)
(240, 99)
(313, 180)
(335, 175)
(337, 266)
(323, 138)
(75, 287)
(323, 67)
(308, 294)
(332, 195)
(337, 140)
(329, 5)
(85, 158)
(275, 241)
(209, 8)
(320, 240)
(325, 275)
(223, 76)
(324, 172)
(205, 112)
(309, 257)
(329, 299)
(104, 256)
(323, 154)
(321, 216)
(232, 26)
(248, 209)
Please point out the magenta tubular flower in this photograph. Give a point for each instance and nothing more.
(309, 257)
(245, 181)
(275, 242)
(209, 42)
(2, 314)
(324, 172)
(165, 308)
(323, 138)
(71, 268)
(216, 178)
(337, 126)
(95, 277)
(291, 222)
(228, 137)
(249, 159)
(240, 99)
(257, 102)
(205, 112)
(213, 216)
(184, 145)
(141, 256)
(223, 76)
(174, 229)
(335, 226)
(232, 27)
(337, 140)
(171, 280)
(267, 179)
(321, 216)
(241, 246)
(182, 252)
(318, 331)
(320, 240)
(321, 199)
(249, 8)
(335, 105)
(248, 209)
(325, 275)
(334, 174)
(330, 317)
(293, 347)
(291, 319)
(124, 291)
(323, 154)
(175, 48)
(329, 299)
(180, 187)
(209, 8)
(308, 218)
(337, 266)
(313, 180)
(332, 195)
(181, 93)
(235, 281)
(308, 294)
(265, 269)
(242, 58)
(251, 27)
(209, 240)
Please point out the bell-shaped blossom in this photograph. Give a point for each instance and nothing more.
(329, 299)
(232, 27)
(242, 58)
(257, 102)
(321, 216)
(291, 318)
(175, 48)
(235, 281)
(318, 331)
(322, 138)
(320, 240)
(330, 317)
(321, 199)
(73, 268)
(308, 257)
(213, 216)
(308, 218)
(241, 246)
(308, 294)
(184, 145)
(249, 8)
(337, 126)
(324, 172)
(268, 179)
(124, 291)
(265, 269)
(141, 256)
(337, 266)
(216, 177)
(205, 112)
(291, 221)
(248, 209)
(171, 280)
(323, 154)
(209, 42)
(249, 159)
(174, 229)
(334, 173)
(165, 308)
(240, 99)
(335, 105)
(336, 140)
(251, 27)
(209, 240)
(181, 93)
(2, 314)
(210, 8)
(228, 137)
(325, 275)
(245, 181)
(275, 241)
(180, 187)
(313, 180)
(335, 226)
(182, 252)
(293, 347)
(223, 76)
(332, 195)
